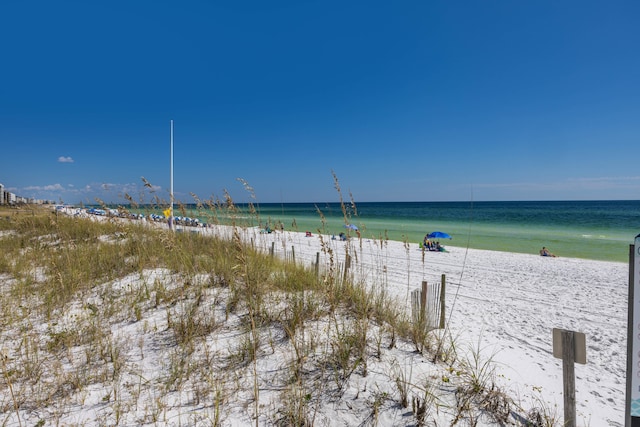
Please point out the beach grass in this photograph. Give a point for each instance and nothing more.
(151, 325)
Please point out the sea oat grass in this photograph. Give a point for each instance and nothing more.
(219, 308)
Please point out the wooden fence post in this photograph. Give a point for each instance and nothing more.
(317, 263)
(347, 265)
(423, 300)
(571, 347)
(415, 305)
(569, 378)
(272, 250)
(443, 285)
(293, 253)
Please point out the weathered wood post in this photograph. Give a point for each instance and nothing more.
(317, 266)
(415, 306)
(571, 347)
(632, 409)
(347, 265)
(443, 285)
(419, 302)
(423, 301)
(293, 253)
(273, 248)
(569, 378)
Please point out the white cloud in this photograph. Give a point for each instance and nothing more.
(50, 187)
(89, 193)
(618, 179)
(54, 187)
(63, 159)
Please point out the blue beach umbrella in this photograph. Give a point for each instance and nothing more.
(438, 235)
(351, 226)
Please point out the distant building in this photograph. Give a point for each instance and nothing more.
(9, 198)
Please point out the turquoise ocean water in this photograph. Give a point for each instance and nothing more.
(601, 230)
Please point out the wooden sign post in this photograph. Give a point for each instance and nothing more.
(632, 409)
(571, 347)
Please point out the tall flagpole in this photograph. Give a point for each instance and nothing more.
(171, 191)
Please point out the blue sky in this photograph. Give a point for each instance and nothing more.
(403, 101)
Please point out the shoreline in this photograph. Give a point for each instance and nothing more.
(449, 244)
(594, 235)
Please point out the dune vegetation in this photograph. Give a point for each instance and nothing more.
(107, 321)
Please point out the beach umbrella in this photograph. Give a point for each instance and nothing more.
(438, 235)
(351, 226)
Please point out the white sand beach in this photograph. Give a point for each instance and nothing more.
(503, 304)
(508, 304)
